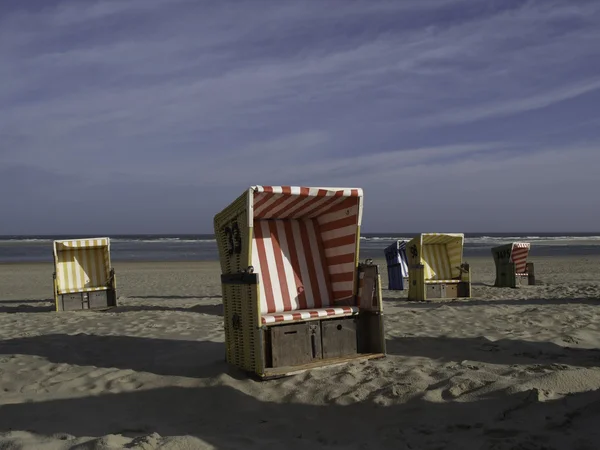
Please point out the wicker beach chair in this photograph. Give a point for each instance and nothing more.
(294, 295)
(435, 267)
(83, 276)
(511, 264)
(397, 265)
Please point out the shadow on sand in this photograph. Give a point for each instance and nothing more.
(199, 359)
(503, 351)
(432, 304)
(175, 297)
(227, 418)
(213, 310)
(26, 306)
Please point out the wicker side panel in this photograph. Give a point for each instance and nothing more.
(506, 275)
(233, 235)
(416, 283)
(241, 331)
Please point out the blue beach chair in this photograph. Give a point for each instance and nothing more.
(397, 265)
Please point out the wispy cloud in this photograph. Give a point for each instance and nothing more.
(198, 94)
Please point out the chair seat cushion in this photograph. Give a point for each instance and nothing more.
(307, 314)
(441, 281)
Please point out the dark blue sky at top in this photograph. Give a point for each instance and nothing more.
(149, 116)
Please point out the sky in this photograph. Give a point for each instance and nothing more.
(150, 116)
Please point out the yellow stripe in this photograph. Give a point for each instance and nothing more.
(89, 264)
(455, 251)
(70, 255)
(446, 272)
(427, 260)
(98, 266)
(107, 265)
(441, 261)
(87, 289)
(82, 265)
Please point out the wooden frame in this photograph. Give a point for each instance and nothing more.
(83, 278)
(282, 346)
(512, 266)
(436, 268)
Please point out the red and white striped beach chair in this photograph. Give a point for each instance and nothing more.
(511, 264)
(294, 295)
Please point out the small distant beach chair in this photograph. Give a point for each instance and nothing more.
(511, 264)
(397, 265)
(294, 295)
(83, 276)
(435, 266)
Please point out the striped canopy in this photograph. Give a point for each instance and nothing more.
(305, 245)
(515, 252)
(440, 253)
(82, 265)
(294, 202)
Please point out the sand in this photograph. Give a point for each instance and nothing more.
(508, 369)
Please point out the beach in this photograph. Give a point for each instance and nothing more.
(506, 369)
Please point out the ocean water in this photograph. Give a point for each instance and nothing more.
(203, 247)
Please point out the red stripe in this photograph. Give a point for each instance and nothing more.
(312, 313)
(303, 194)
(323, 260)
(519, 258)
(292, 242)
(324, 206)
(316, 293)
(265, 198)
(265, 277)
(284, 197)
(340, 277)
(348, 203)
(341, 259)
(339, 223)
(283, 286)
(339, 295)
(311, 205)
(340, 241)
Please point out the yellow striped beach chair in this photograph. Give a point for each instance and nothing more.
(435, 266)
(83, 276)
(294, 294)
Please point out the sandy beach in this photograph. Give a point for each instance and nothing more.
(507, 369)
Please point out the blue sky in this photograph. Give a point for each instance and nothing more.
(149, 116)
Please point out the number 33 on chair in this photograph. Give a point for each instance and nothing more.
(234, 239)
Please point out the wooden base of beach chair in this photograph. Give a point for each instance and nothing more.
(300, 346)
(530, 274)
(421, 290)
(447, 290)
(506, 275)
(281, 372)
(78, 301)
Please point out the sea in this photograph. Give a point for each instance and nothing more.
(203, 247)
